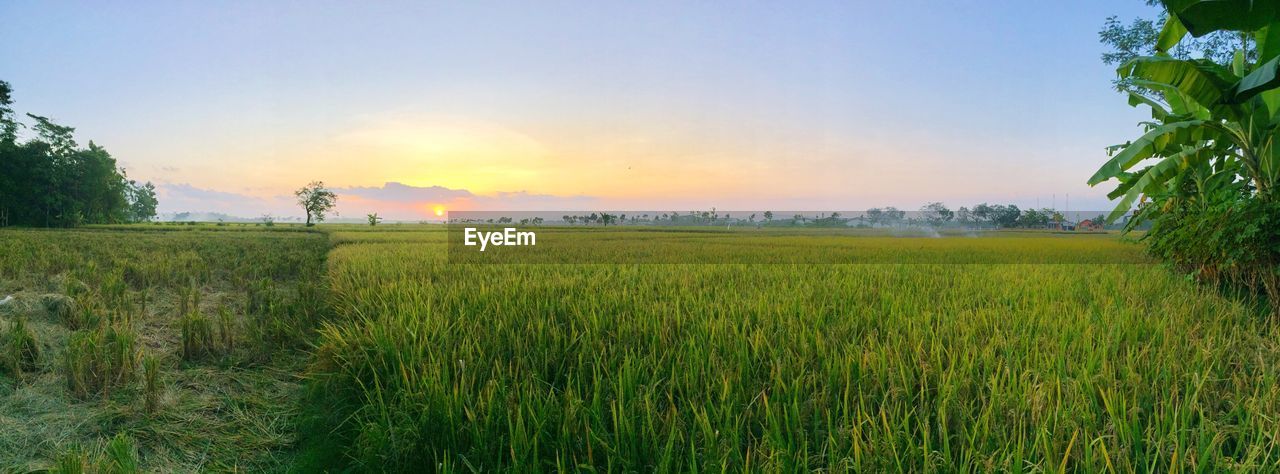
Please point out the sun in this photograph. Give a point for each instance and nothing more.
(439, 211)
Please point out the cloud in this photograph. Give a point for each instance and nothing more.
(392, 200)
(183, 197)
(393, 191)
(395, 200)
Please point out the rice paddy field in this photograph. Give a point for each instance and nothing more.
(376, 349)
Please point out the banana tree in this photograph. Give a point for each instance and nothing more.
(1213, 126)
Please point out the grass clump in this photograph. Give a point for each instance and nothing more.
(101, 360)
(151, 387)
(203, 336)
(119, 455)
(19, 350)
(197, 336)
(58, 307)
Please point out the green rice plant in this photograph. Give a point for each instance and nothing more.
(197, 336)
(142, 301)
(73, 287)
(20, 350)
(72, 461)
(151, 388)
(99, 360)
(114, 292)
(86, 315)
(188, 297)
(273, 329)
(226, 330)
(82, 363)
(119, 456)
(258, 296)
(919, 361)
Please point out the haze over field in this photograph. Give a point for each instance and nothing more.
(838, 105)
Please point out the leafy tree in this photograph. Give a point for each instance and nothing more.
(50, 180)
(1206, 169)
(1033, 218)
(964, 216)
(8, 125)
(316, 200)
(1138, 39)
(373, 219)
(982, 213)
(142, 201)
(936, 213)
(1005, 216)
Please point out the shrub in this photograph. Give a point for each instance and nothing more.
(1234, 243)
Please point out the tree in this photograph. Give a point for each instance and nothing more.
(8, 125)
(1205, 170)
(50, 180)
(142, 201)
(964, 216)
(936, 213)
(1032, 218)
(316, 200)
(373, 219)
(768, 216)
(1139, 38)
(1004, 216)
(981, 213)
(1211, 123)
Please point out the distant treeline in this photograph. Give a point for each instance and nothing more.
(934, 214)
(50, 181)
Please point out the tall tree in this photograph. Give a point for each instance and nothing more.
(50, 180)
(1206, 169)
(316, 200)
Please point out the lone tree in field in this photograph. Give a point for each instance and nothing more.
(316, 200)
(374, 219)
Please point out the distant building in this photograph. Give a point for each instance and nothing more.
(1090, 225)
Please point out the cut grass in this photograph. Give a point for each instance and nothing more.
(111, 391)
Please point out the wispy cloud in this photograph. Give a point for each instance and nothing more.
(396, 200)
(392, 200)
(183, 197)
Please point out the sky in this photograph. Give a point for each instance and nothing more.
(406, 108)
